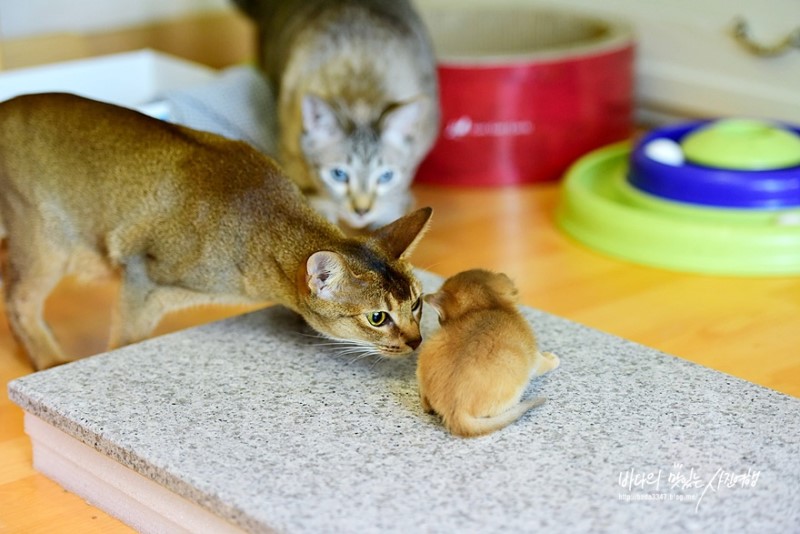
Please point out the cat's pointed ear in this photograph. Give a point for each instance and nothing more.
(505, 288)
(434, 300)
(399, 123)
(399, 238)
(326, 273)
(320, 123)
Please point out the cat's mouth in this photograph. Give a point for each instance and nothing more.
(355, 220)
(394, 351)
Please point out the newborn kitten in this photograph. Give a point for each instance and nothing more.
(473, 371)
(358, 104)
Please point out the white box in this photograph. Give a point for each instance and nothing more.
(131, 79)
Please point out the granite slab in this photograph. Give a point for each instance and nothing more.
(263, 425)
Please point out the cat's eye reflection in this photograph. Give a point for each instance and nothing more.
(377, 318)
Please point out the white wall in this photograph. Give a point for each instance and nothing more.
(688, 64)
(24, 18)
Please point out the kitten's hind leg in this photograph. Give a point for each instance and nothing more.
(29, 275)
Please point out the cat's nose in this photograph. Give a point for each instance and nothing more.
(361, 211)
(414, 343)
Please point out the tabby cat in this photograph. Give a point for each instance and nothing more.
(187, 217)
(358, 104)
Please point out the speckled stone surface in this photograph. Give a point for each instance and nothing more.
(259, 422)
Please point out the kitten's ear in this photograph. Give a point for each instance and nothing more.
(504, 287)
(326, 273)
(399, 122)
(434, 300)
(399, 238)
(320, 123)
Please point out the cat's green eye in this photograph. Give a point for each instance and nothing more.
(377, 318)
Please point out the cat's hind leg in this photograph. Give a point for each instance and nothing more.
(32, 269)
(140, 306)
(144, 302)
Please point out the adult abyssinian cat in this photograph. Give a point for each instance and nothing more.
(474, 370)
(358, 104)
(187, 217)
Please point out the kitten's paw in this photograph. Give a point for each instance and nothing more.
(552, 360)
(426, 406)
(545, 362)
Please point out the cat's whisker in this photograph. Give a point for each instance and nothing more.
(379, 359)
(430, 266)
(349, 344)
(346, 348)
(352, 350)
(357, 350)
(331, 344)
(347, 351)
(326, 340)
(315, 335)
(359, 357)
(356, 356)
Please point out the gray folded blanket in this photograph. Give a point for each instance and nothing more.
(237, 104)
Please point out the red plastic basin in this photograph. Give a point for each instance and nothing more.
(525, 92)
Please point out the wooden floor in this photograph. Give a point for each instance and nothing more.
(749, 328)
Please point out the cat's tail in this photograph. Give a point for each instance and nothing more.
(468, 426)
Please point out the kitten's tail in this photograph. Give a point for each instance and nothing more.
(467, 426)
